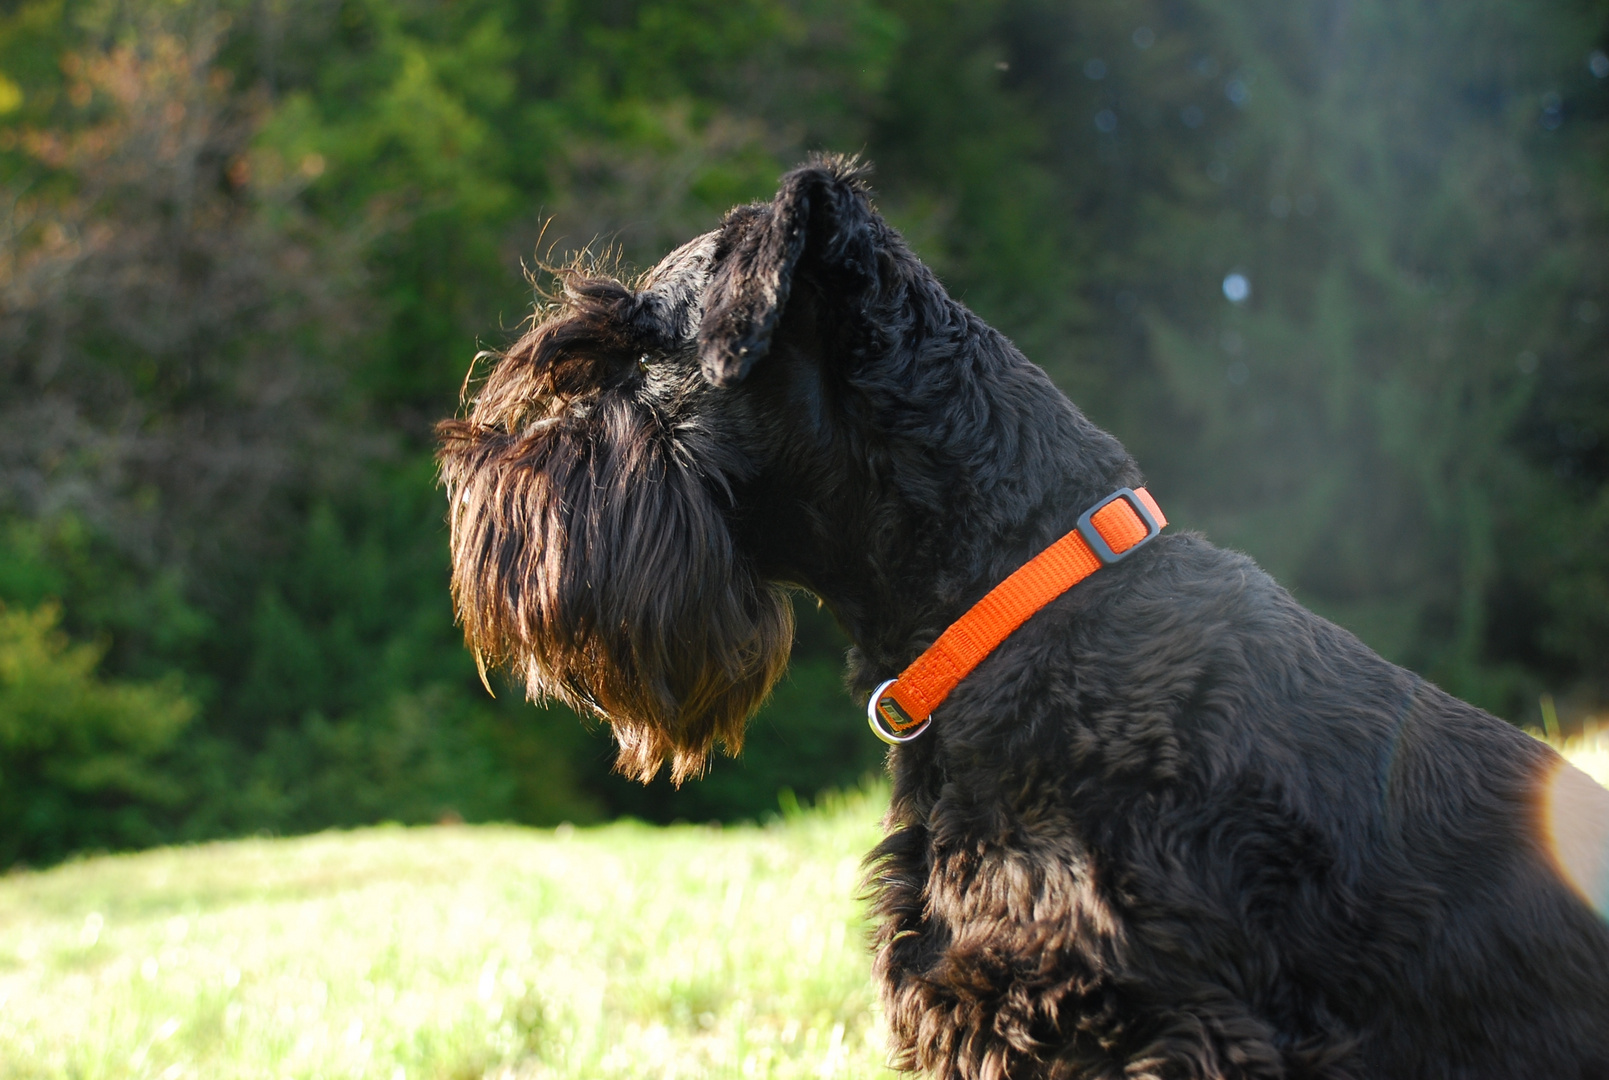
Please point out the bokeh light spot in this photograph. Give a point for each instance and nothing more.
(1552, 112)
(1237, 289)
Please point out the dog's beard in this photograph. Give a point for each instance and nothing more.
(595, 563)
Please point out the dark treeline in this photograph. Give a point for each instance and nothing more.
(1333, 269)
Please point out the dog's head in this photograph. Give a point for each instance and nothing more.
(596, 481)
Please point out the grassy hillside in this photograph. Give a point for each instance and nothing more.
(456, 952)
(451, 952)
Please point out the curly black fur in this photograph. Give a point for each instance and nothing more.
(1176, 826)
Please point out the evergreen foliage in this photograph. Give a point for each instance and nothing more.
(250, 249)
(78, 754)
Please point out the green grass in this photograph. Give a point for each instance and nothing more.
(451, 952)
(458, 952)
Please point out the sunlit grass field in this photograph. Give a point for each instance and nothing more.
(460, 952)
(452, 952)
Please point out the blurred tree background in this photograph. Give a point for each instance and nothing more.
(1333, 269)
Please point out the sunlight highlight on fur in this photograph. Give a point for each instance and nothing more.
(1575, 827)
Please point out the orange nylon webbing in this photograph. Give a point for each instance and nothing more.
(930, 678)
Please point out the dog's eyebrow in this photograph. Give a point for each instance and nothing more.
(672, 293)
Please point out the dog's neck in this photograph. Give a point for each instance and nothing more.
(952, 500)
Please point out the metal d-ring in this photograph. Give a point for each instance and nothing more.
(882, 709)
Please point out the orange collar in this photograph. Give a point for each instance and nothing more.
(1112, 529)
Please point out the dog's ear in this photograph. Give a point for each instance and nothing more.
(820, 221)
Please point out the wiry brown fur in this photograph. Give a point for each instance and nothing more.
(589, 552)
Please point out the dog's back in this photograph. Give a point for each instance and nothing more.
(1291, 857)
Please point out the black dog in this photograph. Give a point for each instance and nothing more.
(1175, 826)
